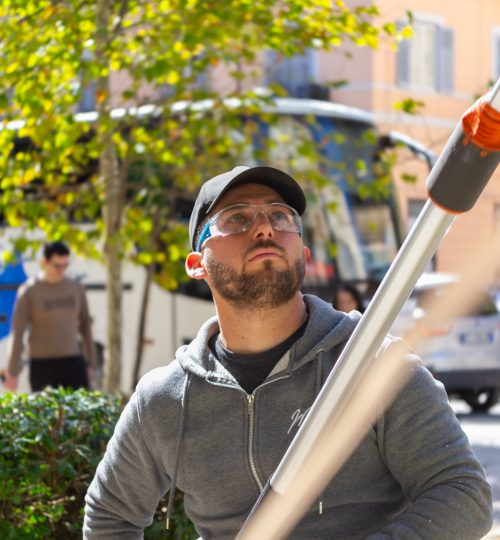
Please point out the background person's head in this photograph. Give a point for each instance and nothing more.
(347, 298)
(55, 261)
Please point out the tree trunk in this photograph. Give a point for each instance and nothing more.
(150, 270)
(141, 333)
(113, 205)
(112, 371)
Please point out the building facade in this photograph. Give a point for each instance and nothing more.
(451, 59)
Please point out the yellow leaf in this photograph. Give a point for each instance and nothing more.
(13, 220)
(165, 5)
(28, 176)
(146, 225)
(8, 257)
(101, 96)
(145, 258)
(173, 77)
(11, 68)
(85, 26)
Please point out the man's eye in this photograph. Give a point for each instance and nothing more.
(237, 218)
(280, 216)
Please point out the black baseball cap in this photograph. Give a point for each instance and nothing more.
(212, 191)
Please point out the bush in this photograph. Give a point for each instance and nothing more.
(50, 445)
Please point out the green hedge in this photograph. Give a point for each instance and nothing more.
(50, 445)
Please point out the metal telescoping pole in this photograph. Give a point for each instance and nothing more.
(454, 184)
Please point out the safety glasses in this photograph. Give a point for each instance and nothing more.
(240, 217)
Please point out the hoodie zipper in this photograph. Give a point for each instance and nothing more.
(251, 430)
(251, 425)
(250, 398)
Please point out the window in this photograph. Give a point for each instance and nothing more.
(87, 99)
(415, 206)
(86, 85)
(495, 71)
(297, 74)
(496, 217)
(426, 60)
(376, 230)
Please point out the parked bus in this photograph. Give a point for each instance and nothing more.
(356, 243)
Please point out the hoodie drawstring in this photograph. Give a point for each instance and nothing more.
(170, 503)
(321, 358)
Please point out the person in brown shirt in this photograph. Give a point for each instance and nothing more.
(54, 311)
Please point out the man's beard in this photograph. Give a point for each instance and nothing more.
(267, 288)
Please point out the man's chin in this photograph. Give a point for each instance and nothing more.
(265, 265)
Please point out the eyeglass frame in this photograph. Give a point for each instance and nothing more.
(206, 233)
(58, 266)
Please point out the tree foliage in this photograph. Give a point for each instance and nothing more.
(125, 173)
(159, 50)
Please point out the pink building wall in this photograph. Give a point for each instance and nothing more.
(373, 86)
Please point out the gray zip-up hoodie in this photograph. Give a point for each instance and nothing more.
(190, 425)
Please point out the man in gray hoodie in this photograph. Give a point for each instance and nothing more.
(217, 420)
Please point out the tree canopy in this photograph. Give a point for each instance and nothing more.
(149, 67)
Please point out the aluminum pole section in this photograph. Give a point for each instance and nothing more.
(412, 258)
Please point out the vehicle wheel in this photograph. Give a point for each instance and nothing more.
(482, 400)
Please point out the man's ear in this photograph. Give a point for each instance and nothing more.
(194, 266)
(307, 254)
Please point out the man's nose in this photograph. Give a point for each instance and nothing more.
(262, 226)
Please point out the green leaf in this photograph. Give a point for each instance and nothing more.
(410, 106)
(409, 178)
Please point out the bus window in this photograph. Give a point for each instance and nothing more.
(377, 235)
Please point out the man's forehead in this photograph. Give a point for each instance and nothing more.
(248, 193)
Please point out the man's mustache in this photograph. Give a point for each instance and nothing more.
(265, 244)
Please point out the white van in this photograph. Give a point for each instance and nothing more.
(464, 352)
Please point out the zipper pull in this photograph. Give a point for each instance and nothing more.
(250, 399)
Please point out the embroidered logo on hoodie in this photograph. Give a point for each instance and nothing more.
(298, 418)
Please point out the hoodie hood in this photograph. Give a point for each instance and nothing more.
(326, 328)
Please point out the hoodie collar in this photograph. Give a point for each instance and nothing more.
(326, 329)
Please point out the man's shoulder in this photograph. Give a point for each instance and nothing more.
(165, 382)
(30, 284)
(69, 286)
(38, 282)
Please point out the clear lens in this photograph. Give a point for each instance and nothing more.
(240, 217)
